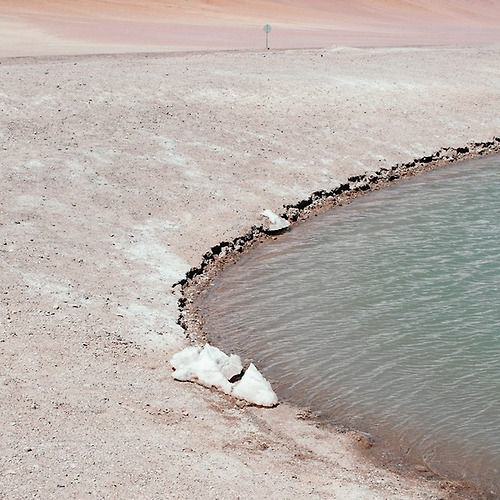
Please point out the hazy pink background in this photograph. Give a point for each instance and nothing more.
(34, 27)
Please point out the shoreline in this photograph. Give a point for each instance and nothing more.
(227, 253)
(119, 173)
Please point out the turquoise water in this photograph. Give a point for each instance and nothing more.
(384, 315)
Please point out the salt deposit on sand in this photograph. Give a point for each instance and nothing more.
(118, 174)
(212, 368)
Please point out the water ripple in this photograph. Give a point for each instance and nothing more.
(385, 314)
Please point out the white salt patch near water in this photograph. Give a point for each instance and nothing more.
(254, 388)
(210, 367)
(229, 366)
(201, 366)
(184, 358)
(276, 223)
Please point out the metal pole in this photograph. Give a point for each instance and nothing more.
(267, 29)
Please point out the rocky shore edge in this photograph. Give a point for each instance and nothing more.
(200, 277)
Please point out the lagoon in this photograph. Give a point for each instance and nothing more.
(384, 315)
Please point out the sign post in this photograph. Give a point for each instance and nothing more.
(267, 29)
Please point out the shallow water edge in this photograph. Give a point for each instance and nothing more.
(199, 278)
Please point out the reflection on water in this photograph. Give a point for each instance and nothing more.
(385, 315)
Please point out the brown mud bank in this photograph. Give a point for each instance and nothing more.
(198, 280)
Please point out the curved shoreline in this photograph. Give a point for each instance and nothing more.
(119, 173)
(199, 278)
(319, 201)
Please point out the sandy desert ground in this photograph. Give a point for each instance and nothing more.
(118, 173)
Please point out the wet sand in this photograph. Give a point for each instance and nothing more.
(119, 172)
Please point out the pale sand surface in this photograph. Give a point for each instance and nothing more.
(33, 27)
(118, 173)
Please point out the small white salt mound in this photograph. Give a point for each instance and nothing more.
(203, 371)
(254, 388)
(185, 357)
(276, 223)
(229, 365)
(232, 367)
(209, 373)
(209, 367)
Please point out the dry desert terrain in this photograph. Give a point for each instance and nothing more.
(120, 171)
